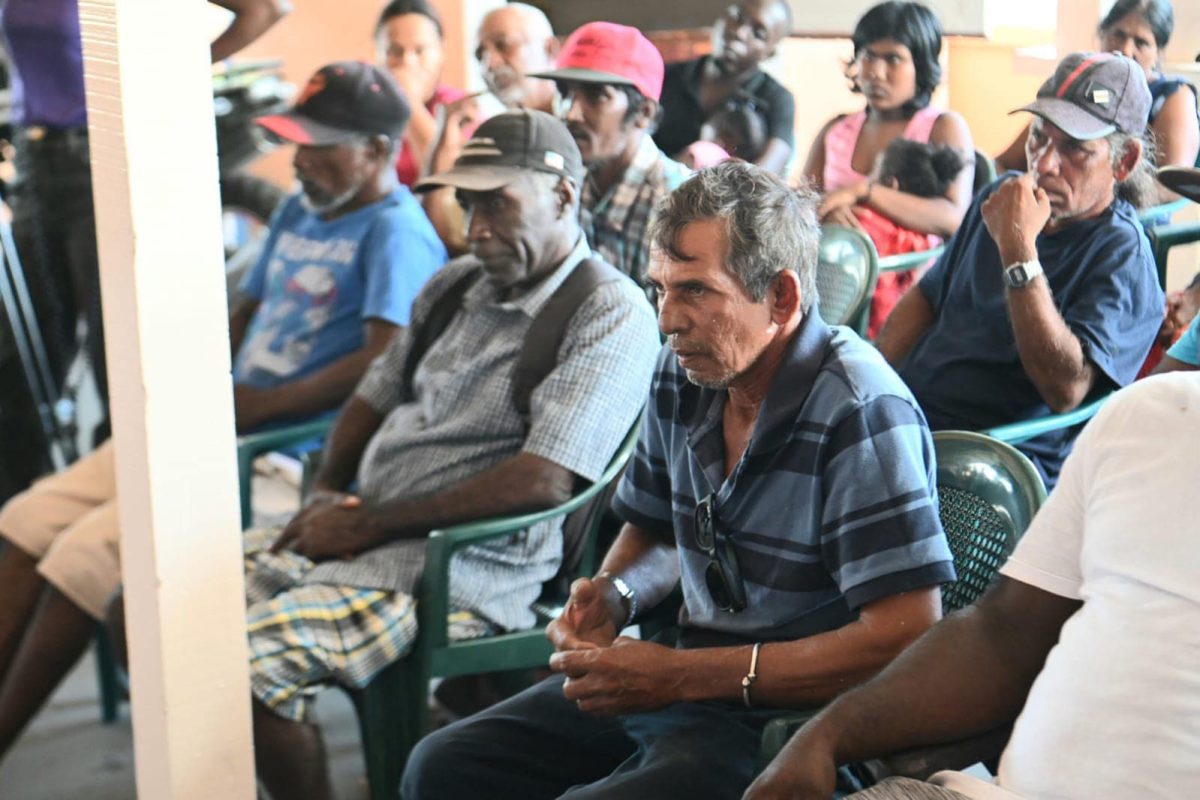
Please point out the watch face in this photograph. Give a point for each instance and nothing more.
(1017, 276)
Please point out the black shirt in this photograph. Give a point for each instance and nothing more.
(683, 114)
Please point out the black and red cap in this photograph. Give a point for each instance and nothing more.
(340, 102)
(1091, 95)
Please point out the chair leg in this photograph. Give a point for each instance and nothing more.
(393, 714)
(108, 678)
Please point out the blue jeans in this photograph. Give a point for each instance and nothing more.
(539, 745)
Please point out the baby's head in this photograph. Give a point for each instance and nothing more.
(926, 170)
(739, 130)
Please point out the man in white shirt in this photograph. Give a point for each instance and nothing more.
(1090, 640)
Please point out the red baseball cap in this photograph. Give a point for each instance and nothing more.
(604, 52)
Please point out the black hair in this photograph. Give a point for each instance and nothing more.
(1158, 15)
(740, 130)
(398, 8)
(914, 26)
(926, 170)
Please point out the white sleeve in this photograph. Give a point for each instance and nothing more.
(1049, 554)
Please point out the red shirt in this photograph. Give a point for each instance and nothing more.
(890, 240)
(407, 169)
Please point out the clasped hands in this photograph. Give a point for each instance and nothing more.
(606, 673)
(330, 525)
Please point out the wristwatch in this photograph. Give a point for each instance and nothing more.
(627, 594)
(1021, 274)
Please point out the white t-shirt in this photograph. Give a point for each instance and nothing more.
(1115, 712)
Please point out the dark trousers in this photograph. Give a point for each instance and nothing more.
(54, 228)
(540, 745)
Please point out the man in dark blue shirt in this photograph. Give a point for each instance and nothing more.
(1048, 294)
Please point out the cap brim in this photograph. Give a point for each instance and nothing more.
(472, 177)
(1183, 181)
(292, 127)
(1069, 118)
(583, 76)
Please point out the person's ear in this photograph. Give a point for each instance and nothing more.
(647, 114)
(566, 194)
(1128, 161)
(890, 182)
(552, 48)
(784, 296)
(379, 148)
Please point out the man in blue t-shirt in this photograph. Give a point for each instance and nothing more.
(344, 259)
(1048, 293)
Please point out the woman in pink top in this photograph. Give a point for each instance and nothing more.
(895, 67)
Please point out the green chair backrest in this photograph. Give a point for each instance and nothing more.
(1164, 237)
(985, 171)
(847, 268)
(988, 493)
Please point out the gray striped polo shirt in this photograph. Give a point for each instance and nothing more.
(832, 506)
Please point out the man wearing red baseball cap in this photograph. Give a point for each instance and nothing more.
(609, 82)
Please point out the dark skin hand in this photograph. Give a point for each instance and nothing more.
(328, 527)
(967, 675)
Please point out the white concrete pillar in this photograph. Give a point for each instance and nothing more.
(162, 279)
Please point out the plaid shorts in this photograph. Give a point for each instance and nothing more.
(307, 636)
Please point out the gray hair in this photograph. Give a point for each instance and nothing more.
(1139, 187)
(771, 227)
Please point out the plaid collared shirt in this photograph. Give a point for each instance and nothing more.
(462, 422)
(617, 225)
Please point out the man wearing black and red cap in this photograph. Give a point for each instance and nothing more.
(342, 262)
(1048, 294)
(609, 81)
(444, 429)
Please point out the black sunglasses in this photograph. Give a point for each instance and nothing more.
(723, 576)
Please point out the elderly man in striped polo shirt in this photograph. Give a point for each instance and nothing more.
(784, 476)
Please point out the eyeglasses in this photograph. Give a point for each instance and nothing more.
(723, 576)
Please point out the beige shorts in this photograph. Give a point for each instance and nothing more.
(68, 522)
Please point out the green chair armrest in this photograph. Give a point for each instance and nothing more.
(1164, 237)
(906, 261)
(778, 731)
(1017, 432)
(434, 592)
(1148, 214)
(253, 445)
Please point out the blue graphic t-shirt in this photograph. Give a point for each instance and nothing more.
(317, 281)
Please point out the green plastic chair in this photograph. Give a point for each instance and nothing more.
(985, 172)
(253, 445)
(110, 678)
(1152, 213)
(1017, 432)
(1164, 237)
(988, 493)
(847, 268)
(393, 710)
(903, 262)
